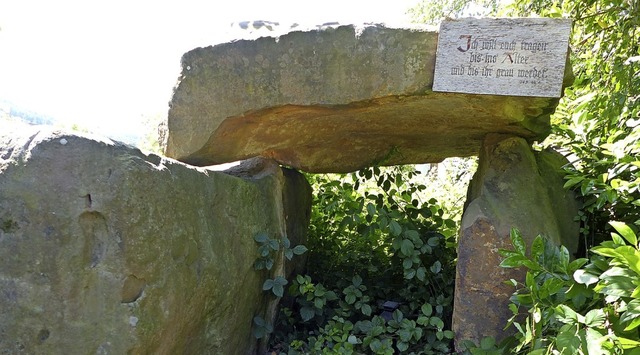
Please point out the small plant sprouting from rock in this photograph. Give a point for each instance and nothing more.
(265, 261)
(268, 247)
(261, 328)
(275, 285)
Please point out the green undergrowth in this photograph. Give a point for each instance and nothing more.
(375, 241)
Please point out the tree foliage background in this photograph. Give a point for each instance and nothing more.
(597, 123)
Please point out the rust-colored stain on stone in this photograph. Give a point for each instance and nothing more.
(384, 131)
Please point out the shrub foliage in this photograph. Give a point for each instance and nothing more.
(381, 269)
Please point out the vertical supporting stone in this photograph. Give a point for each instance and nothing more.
(106, 250)
(514, 187)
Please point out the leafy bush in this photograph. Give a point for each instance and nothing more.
(598, 120)
(381, 269)
(563, 307)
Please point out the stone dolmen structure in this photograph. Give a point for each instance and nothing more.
(105, 249)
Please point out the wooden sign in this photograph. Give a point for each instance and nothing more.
(502, 56)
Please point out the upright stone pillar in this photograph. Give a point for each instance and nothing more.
(514, 187)
(106, 250)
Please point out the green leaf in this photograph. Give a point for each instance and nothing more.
(278, 290)
(449, 334)
(564, 257)
(264, 250)
(259, 321)
(405, 335)
(307, 313)
(407, 263)
(356, 280)
(350, 298)
(366, 309)
(529, 280)
(487, 343)
(604, 251)
(517, 241)
(617, 239)
(537, 247)
(406, 247)
(514, 261)
(268, 284)
(513, 308)
(300, 249)
(576, 264)
(619, 286)
(288, 253)
(262, 331)
(395, 228)
(629, 343)
(573, 181)
(268, 263)
(583, 277)
(569, 341)
(433, 241)
(436, 267)
(409, 274)
(412, 234)
(427, 309)
(595, 318)
(280, 280)
(417, 333)
(421, 273)
(375, 345)
(625, 231)
(632, 312)
(274, 244)
(635, 323)
(259, 264)
(371, 209)
(402, 346)
(632, 259)
(318, 303)
(553, 286)
(594, 342)
(436, 322)
(568, 315)
(261, 237)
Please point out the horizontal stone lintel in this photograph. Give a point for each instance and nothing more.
(335, 100)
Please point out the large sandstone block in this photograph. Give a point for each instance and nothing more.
(106, 250)
(514, 187)
(334, 100)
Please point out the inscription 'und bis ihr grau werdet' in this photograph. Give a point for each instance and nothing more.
(511, 60)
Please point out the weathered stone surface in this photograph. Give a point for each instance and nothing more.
(514, 187)
(334, 100)
(107, 250)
